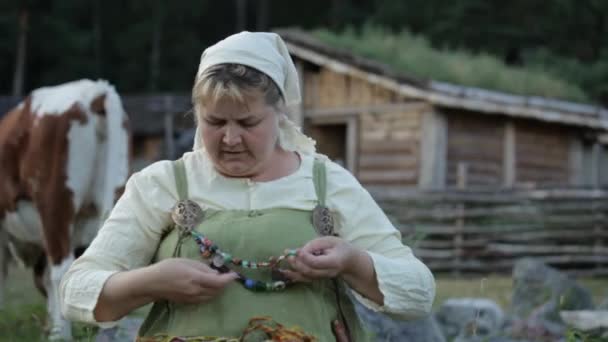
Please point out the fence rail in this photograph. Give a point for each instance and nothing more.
(463, 232)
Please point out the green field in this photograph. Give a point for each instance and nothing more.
(24, 318)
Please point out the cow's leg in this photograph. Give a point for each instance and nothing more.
(57, 216)
(61, 329)
(57, 221)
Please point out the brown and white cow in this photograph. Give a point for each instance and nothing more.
(64, 159)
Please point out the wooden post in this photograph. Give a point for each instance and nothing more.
(433, 151)
(459, 227)
(462, 175)
(598, 222)
(576, 160)
(352, 139)
(603, 164)
(595, 164)
(509, 165)
(169, 130)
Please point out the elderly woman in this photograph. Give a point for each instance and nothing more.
(252, 231)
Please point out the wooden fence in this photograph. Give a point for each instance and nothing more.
(488, 232)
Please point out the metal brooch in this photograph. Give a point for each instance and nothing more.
(187, 215)
(322, 220)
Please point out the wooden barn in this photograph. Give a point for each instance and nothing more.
(473, 178)
(396, 133)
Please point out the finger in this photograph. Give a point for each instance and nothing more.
(203, 298)
(203, 267)
(193, 299)
(216, 281)
(323, 261)
(307, 271)
(321, 243)
(296, 277)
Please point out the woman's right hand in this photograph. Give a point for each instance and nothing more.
(187, 281)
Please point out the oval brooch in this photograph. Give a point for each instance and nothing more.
(187, 214)
(322, 220)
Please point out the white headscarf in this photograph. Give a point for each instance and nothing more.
(265, 52)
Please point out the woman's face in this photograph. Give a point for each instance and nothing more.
(241, 139)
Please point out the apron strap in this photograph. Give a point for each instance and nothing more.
(181, 182)
(319, 178)
(181, 185)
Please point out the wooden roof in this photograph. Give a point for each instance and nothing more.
(306, 47)
(146, 111)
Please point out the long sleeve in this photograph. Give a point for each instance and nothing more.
(407, 284)
(130, 236)
(127, 240)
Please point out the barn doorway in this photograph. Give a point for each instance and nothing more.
(336, 137)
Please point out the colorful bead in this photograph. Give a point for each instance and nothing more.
(220, 260)
(260, 286)
(227, 258)
(278, 285)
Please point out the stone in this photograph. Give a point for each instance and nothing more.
(540, 292)
(470, 317)
(387, 329)
(124, 331)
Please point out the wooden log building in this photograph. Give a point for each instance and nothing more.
(397, 133)
(473, 178)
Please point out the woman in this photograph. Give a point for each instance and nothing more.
(271, 229)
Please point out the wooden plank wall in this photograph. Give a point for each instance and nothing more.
(390, 148)
(477, 141)
(542, 154)
(388, 143)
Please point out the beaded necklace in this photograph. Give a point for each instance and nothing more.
(220, 259)
(187, 214)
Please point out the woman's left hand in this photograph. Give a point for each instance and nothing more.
(325, 257)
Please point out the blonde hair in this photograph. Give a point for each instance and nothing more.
(239, 82)
(236, 82)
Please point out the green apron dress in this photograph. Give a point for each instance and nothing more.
(251, 235)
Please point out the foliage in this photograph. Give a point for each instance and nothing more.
(590, 76)
(574, 335)
(414, 55)
(155, 45)
(24, 318)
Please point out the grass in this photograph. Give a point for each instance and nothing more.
(25, 316)
(415, 56)
(499, 288)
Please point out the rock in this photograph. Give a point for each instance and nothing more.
(585, 320)
(539, 294)
(603, 304)
(125, 331)
(470, 317)
(387, 329)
